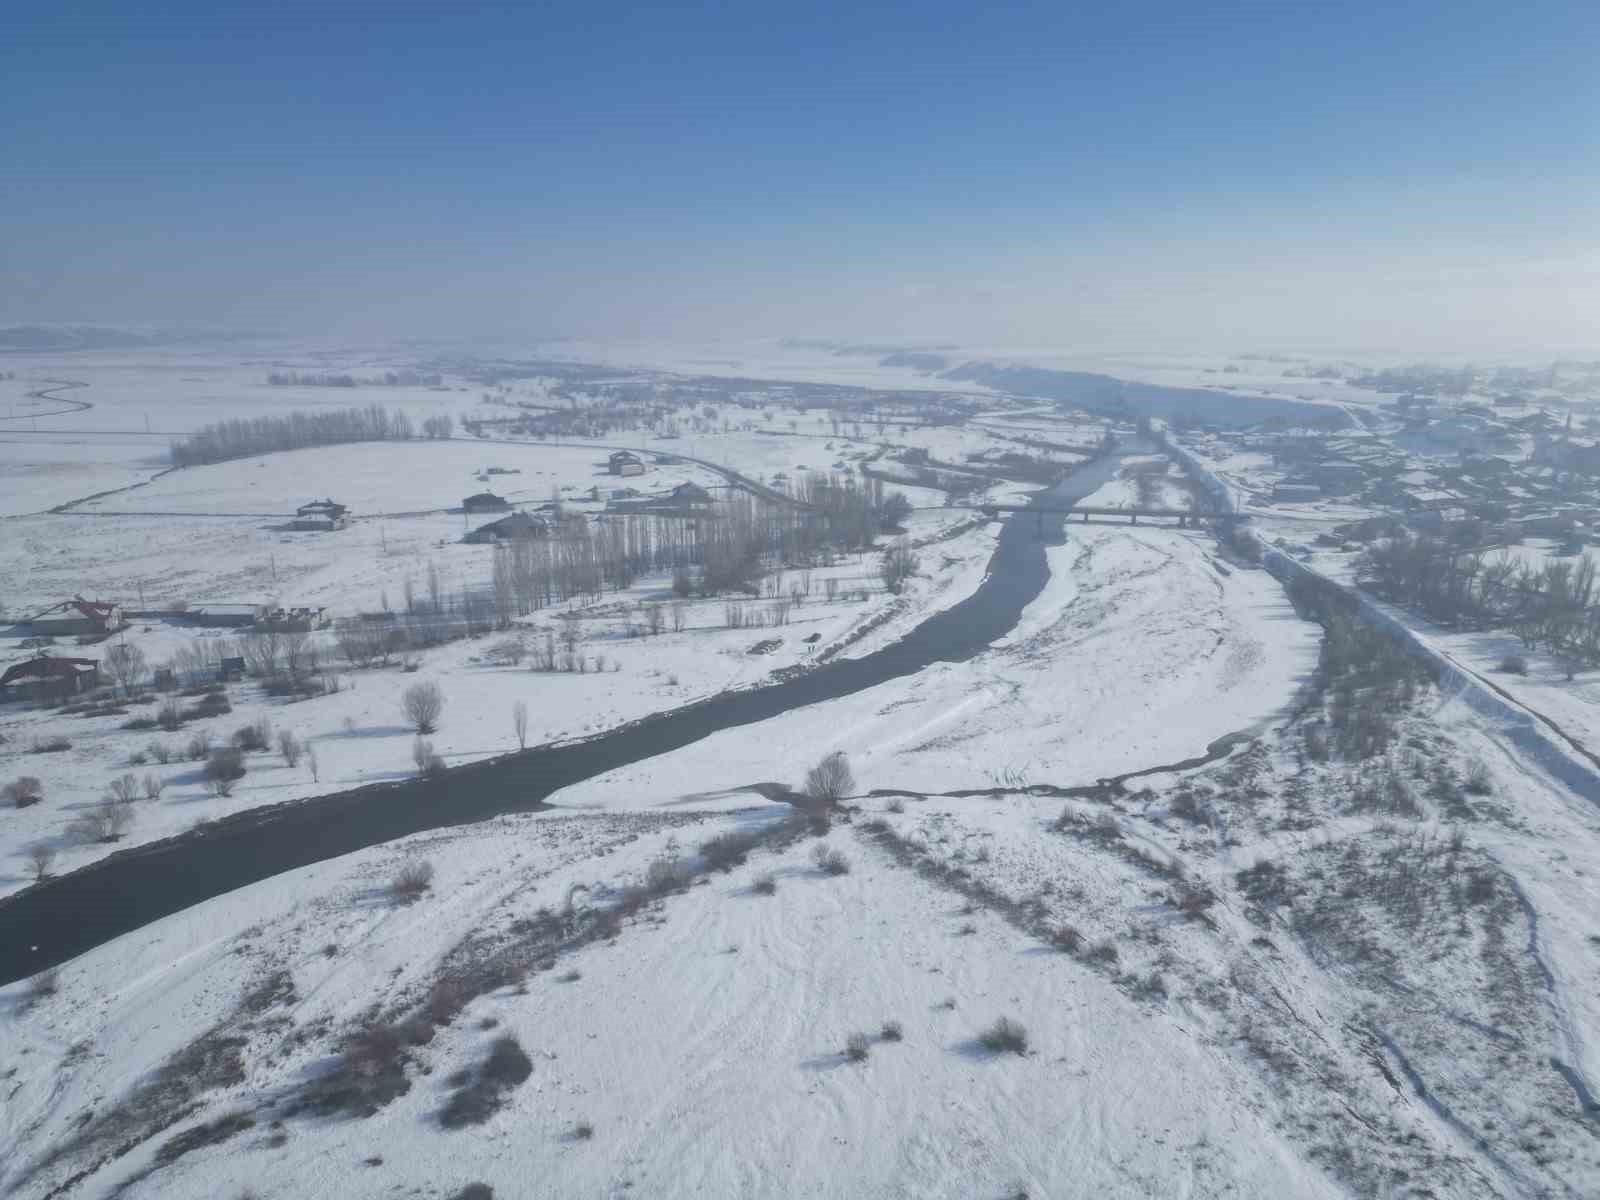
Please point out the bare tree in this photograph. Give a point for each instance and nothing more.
(831, 780)
(899, 564)
(40, 860)
(313, 765)
(290, 747)
(519, 720)
(422, 703)
(125, 663)
(153, 786)
(653, 618)
(124, 790)
(679, 611)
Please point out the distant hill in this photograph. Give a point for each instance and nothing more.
(99, 337)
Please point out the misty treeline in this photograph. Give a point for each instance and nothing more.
(245, 437)
(404, 378)
(727, 550)
(1555, 605)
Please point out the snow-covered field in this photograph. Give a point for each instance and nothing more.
(1260, 967)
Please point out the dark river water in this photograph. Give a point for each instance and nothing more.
(62, 918)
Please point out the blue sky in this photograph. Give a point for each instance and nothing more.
(1420, 174)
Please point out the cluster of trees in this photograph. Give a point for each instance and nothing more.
(242, 438)
(1555, 605)
(726, 550)
(440, 426)
(406, 378)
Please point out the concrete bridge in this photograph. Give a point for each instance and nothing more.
(1185, 517)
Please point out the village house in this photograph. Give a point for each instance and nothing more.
(485, 502)
(48, 678)
(78, 617)
(320, 516)
(517, 525)
(626, 462)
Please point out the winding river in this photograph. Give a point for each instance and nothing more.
(63, 917)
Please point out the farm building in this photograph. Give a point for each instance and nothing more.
(47, 678)
(485, 502)
(517, 525)
(78, 616)
(320, 516)
(625, 462)
(223, 616)
(295, 620)
(689, 495)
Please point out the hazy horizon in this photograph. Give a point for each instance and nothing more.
(1422, 180)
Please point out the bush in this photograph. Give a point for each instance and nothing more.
(170, 716)
(105, 822)
(1479, 782)
(831, 780)
(1004, 1036)
(153, 786)
(582, 1131)
(255, 736)
(507, 1064)
(39, 860)
(160, 752)
(124, 790)
(198, 747)
(422, 704)
(475, 1191)
(1514, 664)
(728, 850)
(891, 1031)
(830, 861)
(857, 1047)
(427, 762)
(766, 884)
(1066, 939)
(448, 995)
(24, 790)
(370, 1073)
(45, 984)
(140, 723)
(50, 745)
(212, 704)
(223, 769)
(411, 881)
(289, 746)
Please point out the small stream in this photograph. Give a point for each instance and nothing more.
(60, 919)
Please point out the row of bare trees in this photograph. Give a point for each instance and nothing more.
(244, 437)
(1555, 605)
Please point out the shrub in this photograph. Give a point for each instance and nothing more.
(223, 769)
(255, 736)
(44, 985)
(1479, 782)
(39, 860)
(289, 746)
(124, 789)
(475, 1191)
(212, 704)
(140, 723)
(830, 861)
(582, 1131)
(448, 995)
(198, 747)
(891, 1031)
(370, 1073)
(1514, 664)
(766, 884)
(857, 1047)
(1004, 1036)
(411, 881)
(24, 790)
(160, 752)
(50, 745)
(170, 717)
(831, 780)
(1066, 939)
(897, 805)
(105, 822)
(507, 1064)
(427, 762)
(422, 704)
(728, 850)
(1105, 952)
(153, 786)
